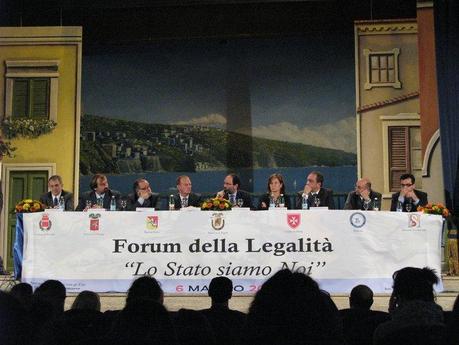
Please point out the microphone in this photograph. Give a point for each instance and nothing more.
(222, 193)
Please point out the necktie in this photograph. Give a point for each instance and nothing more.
(184, 202)
(232, 199)
(56, 201)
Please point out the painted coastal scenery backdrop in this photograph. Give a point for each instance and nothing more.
(208, 106)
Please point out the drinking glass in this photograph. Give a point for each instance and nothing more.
(240, 202)
(408, 207)
(88, 204)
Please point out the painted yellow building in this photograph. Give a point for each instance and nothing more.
(397, 113)
(387, 103)
(40, 77)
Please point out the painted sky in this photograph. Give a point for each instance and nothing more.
(301, 88)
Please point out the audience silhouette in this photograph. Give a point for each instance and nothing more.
(227, 324)
(23, 292)
(15, 323)
(359, 321)
(83, 321)
(193, 328)
(415, 317)
(289, 309)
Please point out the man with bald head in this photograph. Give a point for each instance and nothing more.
(363, 195)
(142, 196)
(359, 321)
(184, 197)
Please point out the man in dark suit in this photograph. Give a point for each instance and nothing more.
(359, 322)
(142, 196)
(52, 198)
(363, 195)
(232, 192)
(314, 191)
(100, 194)
(185, 197)
(227, 324)
(409, 198)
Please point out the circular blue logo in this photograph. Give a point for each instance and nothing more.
(357, 219)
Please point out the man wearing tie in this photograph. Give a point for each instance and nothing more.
(315, 193)
(363, 196)
(232, 193)
(51, 199)
(99, 196)
(185, 197)
(143, 197)
(409, 198)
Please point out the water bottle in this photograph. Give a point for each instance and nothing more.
(376, 204)
(281, 201)
(61, 203)
(171, 203)
(113, 204)
(272, 203)
(399, 206)
(304, 203)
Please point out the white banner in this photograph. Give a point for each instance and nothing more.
(105, 251)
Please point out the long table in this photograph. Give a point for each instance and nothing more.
(184, 250)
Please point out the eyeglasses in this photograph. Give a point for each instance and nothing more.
(406, 184)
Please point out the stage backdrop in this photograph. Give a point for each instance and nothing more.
(207, 106)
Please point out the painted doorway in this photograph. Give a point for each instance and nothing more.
(22, 185)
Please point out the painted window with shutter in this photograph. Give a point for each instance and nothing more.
(31, 97)
(404, 154)
(31, 89)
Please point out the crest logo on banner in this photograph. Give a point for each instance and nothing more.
(357, 219)
(294, 220)
(94, 221)
(218, 221)
(152, 222)
(414, 220)
(45, 223)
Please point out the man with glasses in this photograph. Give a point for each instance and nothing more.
(363, 197)
(142, 196)
(409, 198)
(314, 192)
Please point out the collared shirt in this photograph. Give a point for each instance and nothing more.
(313, 194)
(100, 197)
(57, 196)
(232, 198)
(56, 199)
